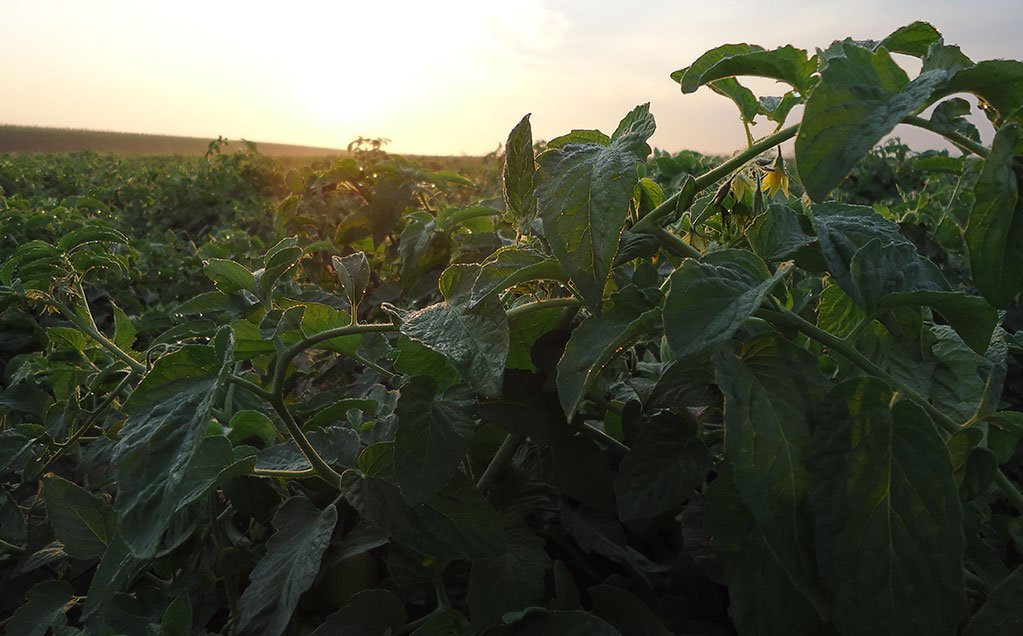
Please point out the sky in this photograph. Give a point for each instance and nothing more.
(442, 77)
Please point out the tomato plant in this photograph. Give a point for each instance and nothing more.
(631, 394)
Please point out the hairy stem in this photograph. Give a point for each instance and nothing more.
(502, 458)
(963, 142)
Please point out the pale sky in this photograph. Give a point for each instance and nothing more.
(434, 76)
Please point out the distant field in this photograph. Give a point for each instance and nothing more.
(39, 139)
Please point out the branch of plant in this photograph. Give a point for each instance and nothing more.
(501, 458)
(962, 141)
(848, 351)
(94, 333)
(712, 176)
(519, 310)
(93, 417)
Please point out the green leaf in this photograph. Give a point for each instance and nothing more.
(776, 234)
(665, 464)
(763, 600)
(913, 39)
(583, 193)
(861, 97)
(124, 331)
(353, 273)
(777, 109)
(47, 603)
(770, 389)
(475, 341)
(337, 445)
(246, 424)
(92, 233)
(508, 267)
(971, 316)
(509, 582)
(448, 622)
(177, 618)
(842, 230)
(433, 435)
(276, 262)
(879, 269)
(786, 64)
(318, 318)
(84, 523)
(998, 82)
(230, 276)
(889, 521)
(458, 523)
(1001, 614)
(369, 613)
(167, 416)
(709, 299)
(287, 569)
(630, 314)
(743, 97)
(995, 229)
(415, 359)
(518, 171)
(579, 137)
(115, 570)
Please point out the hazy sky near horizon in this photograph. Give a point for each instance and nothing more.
(435, 77)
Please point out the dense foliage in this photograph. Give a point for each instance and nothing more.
(626, 393)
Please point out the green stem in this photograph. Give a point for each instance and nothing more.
(712, 176)
(284, 474)
(322, 469)
(502, 458)
(848, 351)
(95, 334)
(603, 438)
(95, 415)
(674, 244)
(962, 141)
(286, 356)
(519, 310)
(251, 387)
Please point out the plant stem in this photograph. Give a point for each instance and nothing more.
(519, 310)
(251, 387)
(712, 176)
(322, 469)
(286, 356)
(501, 459)
(95, 415)
(285, 474)
(603, 438)
(963, 142)
(95, 334)
(674, 244)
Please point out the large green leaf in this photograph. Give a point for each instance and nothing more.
(994, 233)
(47, 602)
(287, 569)
(474, 340)
(583, 193)
(711, 298)
(665, 463)
(457, 523)
(842, 230)
(167, 416)
(913, 39)
(84, 523)
(763, 600)
(786, 64)
(1001, 614)
(861, 97)
(519, 171)
(998, 82)
(509, 582)
(631, 313)
(770, 390)
(433, 435)
(889, 522)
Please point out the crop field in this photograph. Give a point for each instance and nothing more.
(578, 386)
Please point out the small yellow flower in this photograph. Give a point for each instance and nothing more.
(775, 179)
